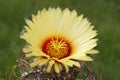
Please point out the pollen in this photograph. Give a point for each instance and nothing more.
(56, 47)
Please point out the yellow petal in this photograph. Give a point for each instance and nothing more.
(51, 62)
(65, 61)
(27, 49)
(93, 51)
(76, 63)
(29, 22)
(27, 28)
(40, 62)
(60, 66)
(33, 64)
(32, 54)
(36, 54)
(84, 58)
(57, 67)
(66, 68)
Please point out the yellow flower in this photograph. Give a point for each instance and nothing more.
(59, 39)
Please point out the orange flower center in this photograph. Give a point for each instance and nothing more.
(56, 47)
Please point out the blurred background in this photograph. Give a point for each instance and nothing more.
(103, 14)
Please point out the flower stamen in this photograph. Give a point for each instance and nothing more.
(56, 48)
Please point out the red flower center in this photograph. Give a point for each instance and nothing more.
(56, 47)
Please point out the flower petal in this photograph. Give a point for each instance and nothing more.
(51, 62)
(36, 54)
(27, 49)
(84, 58)
(65, 61)
(76, 63)
(57, 67)
(40, 61)
(66, 68)
(93, 51)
